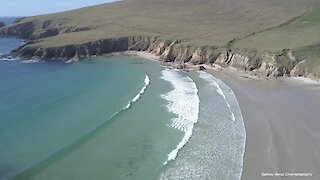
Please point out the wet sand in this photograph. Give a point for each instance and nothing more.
(282, 120)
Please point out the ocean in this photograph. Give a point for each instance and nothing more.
(8, 20)
(115, 117)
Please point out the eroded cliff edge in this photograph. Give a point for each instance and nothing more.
(265, 64)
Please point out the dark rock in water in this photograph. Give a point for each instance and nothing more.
(2, 24)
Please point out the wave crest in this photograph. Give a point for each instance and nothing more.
(138, 96)
(183, 101)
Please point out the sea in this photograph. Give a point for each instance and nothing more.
(115, 118)
(8, 20)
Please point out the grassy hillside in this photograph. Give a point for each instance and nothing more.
(301, 32)
(301, 35)
(310, 60)
(200, 23)
(252, 35)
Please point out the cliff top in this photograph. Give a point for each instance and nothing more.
(300, 32)
(200, 23)
(248, 27)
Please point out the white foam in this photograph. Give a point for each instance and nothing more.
(217, 147)
(30, 61)
(212, 81)
(8, 58)
(235, 105)
(183, 101)
(142, 91)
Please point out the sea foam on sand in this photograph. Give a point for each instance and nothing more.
(212, 80)
(184, 102)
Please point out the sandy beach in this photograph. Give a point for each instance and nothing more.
(135, 130)
(282, 120)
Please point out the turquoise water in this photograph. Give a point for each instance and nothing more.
(55, 110)
(116, 117)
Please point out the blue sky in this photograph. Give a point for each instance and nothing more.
(36, 7)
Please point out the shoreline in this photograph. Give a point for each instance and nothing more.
(280, 117)
(216, 67)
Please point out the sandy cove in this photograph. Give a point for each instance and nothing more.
(282, 123)
(282, 120)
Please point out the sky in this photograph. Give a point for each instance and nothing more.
(9, 8)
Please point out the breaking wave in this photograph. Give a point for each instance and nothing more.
(138, 96)
(184, 102)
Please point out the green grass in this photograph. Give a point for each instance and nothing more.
(302, 32)
(312, 56)
(201, 23)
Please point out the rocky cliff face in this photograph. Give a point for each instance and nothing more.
(265, 64)
(177, 52)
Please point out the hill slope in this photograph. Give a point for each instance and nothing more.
(203, 22)
(178, 30)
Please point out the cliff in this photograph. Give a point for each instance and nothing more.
(206, 38)
(265, 64)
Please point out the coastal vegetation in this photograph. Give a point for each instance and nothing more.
(300, 35)
(265, 38)
(300, 32)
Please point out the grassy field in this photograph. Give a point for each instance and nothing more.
(301, 35)
(310, 56)
(301, 32)
(201, 23)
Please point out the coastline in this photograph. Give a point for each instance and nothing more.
(280, 116)
(142, 54)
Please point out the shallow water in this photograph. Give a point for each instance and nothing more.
(57, 120)
(116, 118)
(216, 148)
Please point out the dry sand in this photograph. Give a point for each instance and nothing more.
(142, 54)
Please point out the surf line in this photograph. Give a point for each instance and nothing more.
(142, 91)
(183, 101)
(211, 80)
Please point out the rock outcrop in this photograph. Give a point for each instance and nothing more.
(176, 52)
(266, 64)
